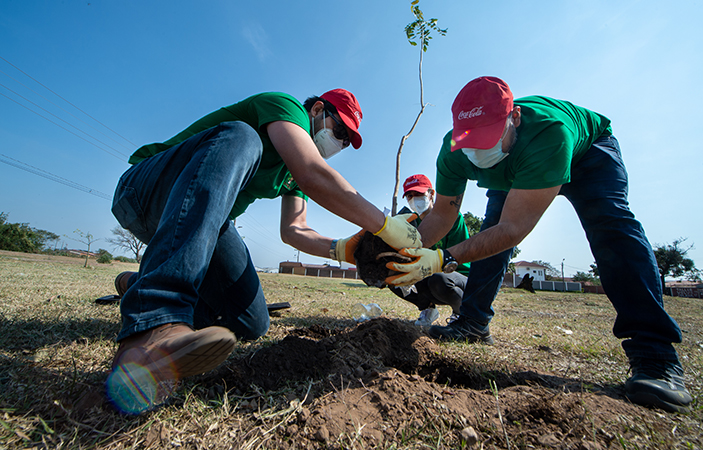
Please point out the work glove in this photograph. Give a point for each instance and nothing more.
(425, 263)
(344, 248)
(399, 233)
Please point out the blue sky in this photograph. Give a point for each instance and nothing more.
(147, 69)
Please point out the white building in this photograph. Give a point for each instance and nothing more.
(537, 271)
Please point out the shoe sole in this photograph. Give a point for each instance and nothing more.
(652, 400)
(199, 356)
(487, 340)
(134, 389)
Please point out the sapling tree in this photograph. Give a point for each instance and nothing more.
(419, 33)
(87, 239)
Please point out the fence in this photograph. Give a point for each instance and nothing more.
(313, 271)
(512, 280)
(690, 292)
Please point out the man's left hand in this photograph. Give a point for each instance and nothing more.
(345, 248)
(425, 263)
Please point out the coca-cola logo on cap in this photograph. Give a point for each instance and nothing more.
(477, 111)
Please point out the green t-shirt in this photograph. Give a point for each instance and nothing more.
(552, 137)
(272, 179)
(458, 233)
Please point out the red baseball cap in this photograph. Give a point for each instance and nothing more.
(349, 110)
(479, 113)
(416, 183)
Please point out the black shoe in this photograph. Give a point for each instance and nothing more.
(462, 330)
(659, 384)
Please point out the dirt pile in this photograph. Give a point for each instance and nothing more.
(385, 381)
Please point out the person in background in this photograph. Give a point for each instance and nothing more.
(526, 152)
(439, 288)
(197, 287)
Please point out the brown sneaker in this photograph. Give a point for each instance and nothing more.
(122, 282)
(148, 365)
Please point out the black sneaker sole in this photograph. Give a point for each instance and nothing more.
(652, 400)
(471, 339)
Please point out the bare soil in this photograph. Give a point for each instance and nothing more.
(386, 381)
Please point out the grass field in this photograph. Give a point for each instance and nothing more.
(556, 349)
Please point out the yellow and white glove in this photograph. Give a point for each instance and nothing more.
(399, 233)
(425, 263)
(343, 249)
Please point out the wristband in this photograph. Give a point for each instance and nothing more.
(449, 264)
(333, 249)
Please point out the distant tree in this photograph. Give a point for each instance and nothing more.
(550, 273)
(594, 271)
(595, 274)
(511, 264)
(20, 237)
(418, 32)
(671, 259)
(583, 277)
(124, 239)
(473, 223)
(87, 239)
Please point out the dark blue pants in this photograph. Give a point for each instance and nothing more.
(196, 268)
(626, 264)
(437, 289)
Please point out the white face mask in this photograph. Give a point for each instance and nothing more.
(326, 143)
(484, 159)
(487, 158)
(419, 204)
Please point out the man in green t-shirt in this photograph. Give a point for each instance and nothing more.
(526, 152)
(439, 288)
(197, 287)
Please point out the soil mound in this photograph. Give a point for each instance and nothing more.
(385, 380)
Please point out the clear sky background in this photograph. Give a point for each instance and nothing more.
(147, 69)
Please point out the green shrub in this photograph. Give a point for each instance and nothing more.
(104, 257)
(125, 259)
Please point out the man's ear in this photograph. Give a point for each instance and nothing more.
(317, 108)
(517, 116)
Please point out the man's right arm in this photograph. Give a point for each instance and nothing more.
(440, 220)
(318, 180)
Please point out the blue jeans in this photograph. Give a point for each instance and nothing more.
(196, 268)
(626, 263)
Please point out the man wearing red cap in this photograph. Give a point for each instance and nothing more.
(439, 288)
(526, 153)
(181, 198)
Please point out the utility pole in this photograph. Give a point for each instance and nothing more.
(562, 274)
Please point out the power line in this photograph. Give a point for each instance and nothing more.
(52, 177)
(257, 227)
(45, 87)
(64, 110)
(46, 118)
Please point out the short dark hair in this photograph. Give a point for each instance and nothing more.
(310, 101)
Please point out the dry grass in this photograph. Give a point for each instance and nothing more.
(56, 345)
